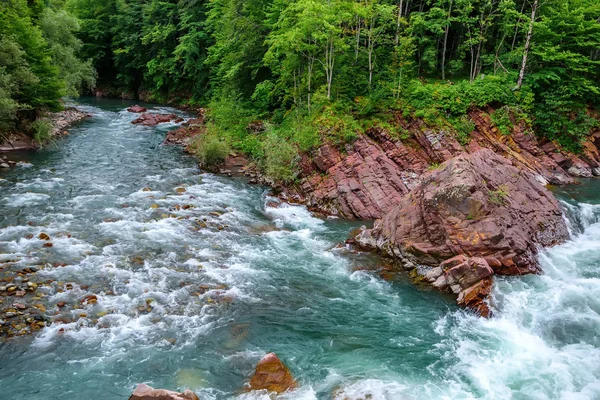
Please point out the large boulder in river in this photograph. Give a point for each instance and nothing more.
(148, 119)
(272, 375)
(477, 205)
(145, 392)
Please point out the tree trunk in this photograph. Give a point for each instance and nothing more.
(517, 27)
(370, 48)
(527, 45)
(398, 22)
(446, 42)
(357, 39)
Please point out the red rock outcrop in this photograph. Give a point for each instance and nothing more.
(366, 179)
(137, 109)
(188, 130)
(272, 375)
(479, 206)
(145, 392)
(148, 119)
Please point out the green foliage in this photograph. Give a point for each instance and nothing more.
(42, 131)
(39, 60)
(210, 150)
(501, 118)
(316, 71)
(499, 195)
(58, 28)
(280, 161)
(464, 127)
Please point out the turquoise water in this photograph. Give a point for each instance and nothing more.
(192, 297)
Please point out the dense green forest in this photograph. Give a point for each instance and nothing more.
(40, 59)
(314, 70)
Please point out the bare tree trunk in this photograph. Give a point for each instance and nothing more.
(357, 39)
(446, 42)
(398, 22)
(329, 65)
(370, 48)
(527, 45)
(517, 27)
(311, 63)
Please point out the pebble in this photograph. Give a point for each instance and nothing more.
(44, 236)
(20, 293)
(4, 165)
(19, 306)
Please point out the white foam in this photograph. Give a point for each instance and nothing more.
(26, 199)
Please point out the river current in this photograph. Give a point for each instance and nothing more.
(197, 277)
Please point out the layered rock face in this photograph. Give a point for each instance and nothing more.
(366, 179)
(479, 206)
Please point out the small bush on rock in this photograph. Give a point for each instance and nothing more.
(280, 159)
(42, 131)
(210, 150)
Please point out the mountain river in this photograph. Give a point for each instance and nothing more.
(197, 278)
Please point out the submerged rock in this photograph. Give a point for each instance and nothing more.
(479, 207)
(145, 392)
(272, 375)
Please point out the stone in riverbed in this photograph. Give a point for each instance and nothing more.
(272, 375)
(145, 392)
(148, 119)
(4, 165)
(44, 236)
(137, 109)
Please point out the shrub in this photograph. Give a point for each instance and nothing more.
(501, 118)
(281, 158)
(464, 128)
(42, 131)
(210, 150)
(499, 196)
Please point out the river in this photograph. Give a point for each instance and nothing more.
(196, 278)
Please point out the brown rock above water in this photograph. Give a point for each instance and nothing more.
(137, 109)
(145, 392)
(479, 206)
(272, 375)
(148, 119)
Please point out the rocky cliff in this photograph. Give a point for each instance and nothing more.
(366, 179)
(475, 216)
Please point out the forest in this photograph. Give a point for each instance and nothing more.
(309, 70)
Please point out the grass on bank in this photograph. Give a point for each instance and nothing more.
(440, 105)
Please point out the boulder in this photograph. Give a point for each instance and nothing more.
(272, 375)
(145, 392)
(137, 109)
(474, 216)
(148, 119)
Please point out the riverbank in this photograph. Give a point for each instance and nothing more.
(58, 122)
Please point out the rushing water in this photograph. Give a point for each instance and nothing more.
(195, 287)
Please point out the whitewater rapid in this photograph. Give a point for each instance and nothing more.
(197, 276)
